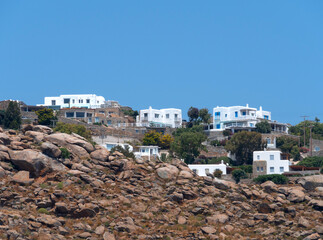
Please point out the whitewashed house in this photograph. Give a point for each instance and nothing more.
(243, 117)
(148, 152)
(168, 117)
(205, 169)
(110, 145)
(270, 162)
(74, 100)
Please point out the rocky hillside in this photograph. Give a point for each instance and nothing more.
(97, 195)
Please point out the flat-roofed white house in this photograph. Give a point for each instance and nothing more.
(167, 117)
(74, 100)
(110, 145)
(205, 169)
(243, 117)
(148, 152)
(270, 162)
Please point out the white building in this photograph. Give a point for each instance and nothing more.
(148, 151)
(168, 117)
(269, 162)
(110, 145)
(77, 101)
(204, 169)
(243, 117)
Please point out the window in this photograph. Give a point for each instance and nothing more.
(272, 169)
(195, 171)
(89, 120)
(217, 115)
(80, 100)
(316, 149)
(53, 102)
(97, 119)
(109, 122)
(281, 169)
(226, 115)
(207, 171)
(102, 112)
(258, 169)
(66, 100)
(258, 157)
(69, 114)
(268, 141)
(272, 157)
(156, 115)
(73, 100)
(266, 117)
(218, 126)
(176, 116)
(251, 124)
(236, 114)
(80, 114)
(87, 100)
(89, 114)
(145, 115)
(261, 169)
(244, 113)
(167, 115)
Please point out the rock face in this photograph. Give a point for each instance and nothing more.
(95, 194)
(312, 182)
(34, 162)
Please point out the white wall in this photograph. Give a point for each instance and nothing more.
(273, 159)
(77, 100)
(212, 167)
(162, 116)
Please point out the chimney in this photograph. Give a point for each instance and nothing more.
(260, 108)
(247, 105)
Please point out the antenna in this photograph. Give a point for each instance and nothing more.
(304, 127)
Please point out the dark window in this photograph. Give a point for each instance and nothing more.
(80, 114)
(236, 114)
(87, 100)
(67, 100)
(53, 102)
(89, 114)
(69, 114)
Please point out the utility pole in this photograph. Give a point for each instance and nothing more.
(311, 126)
(304, 129)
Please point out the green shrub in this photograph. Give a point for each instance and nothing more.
(246, 168)
(311, 162)
(217, 173)
(43, 210)
(276, 178)
(125, 151)
(74, 128)
(321, 171)
(163, 157)
(65, 153)
(60, 185)
(238, 174)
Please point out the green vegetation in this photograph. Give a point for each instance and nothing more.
(43, 210)
(311, 162)
(246, 168)
(187, 143)
(263, 127)
(238, 174)
(197, 116)
(317, 130)
(45, 116)
(289, 145)
(2, 114)
(130, 112)
(276, 178)
(157, 139)
(65, 153)
(12, 116)
(214, 160)
(125, 151)
(243, 144)
(60, 185)
(74, 128)
(216, 143)
(217, 173)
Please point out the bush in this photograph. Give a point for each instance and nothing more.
(65, 153)
(60, 185)
(43, 210)
(217, 173)
(125, 151)
(276, 178)
(238, 174)
(311, 162)
(246, 168)
(45, 116)
(12, 116)
(321, 171)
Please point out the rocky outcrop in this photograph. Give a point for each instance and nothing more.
(312, 182)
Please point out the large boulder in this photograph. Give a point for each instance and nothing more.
(168, 172)
(30, 160)
(43, 129)
(22, 177)
(36, 136)
(223, 184)
(101, 154)
(5, 138)
(50, 149)
(312, 182)
(296, 195)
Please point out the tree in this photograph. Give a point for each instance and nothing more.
(263, 127)
(130, 112)
(165, 141)
(152, 138)
(204, 115)
(193, 114)
(2, 114)
(311, 162)
(243, 144)
(45, 115)
(12, 117)
(238, 174)
(188, 145)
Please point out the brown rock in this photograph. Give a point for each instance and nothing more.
(208, 230)
(181, 220)
(108, 236)
(50, 149)
(168, 172)
(22, 177)
(100, 154)
(5, 138)
(36, 136)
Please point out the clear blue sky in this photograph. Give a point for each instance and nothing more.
(167, 53)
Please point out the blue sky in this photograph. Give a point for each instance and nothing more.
(167, 53)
